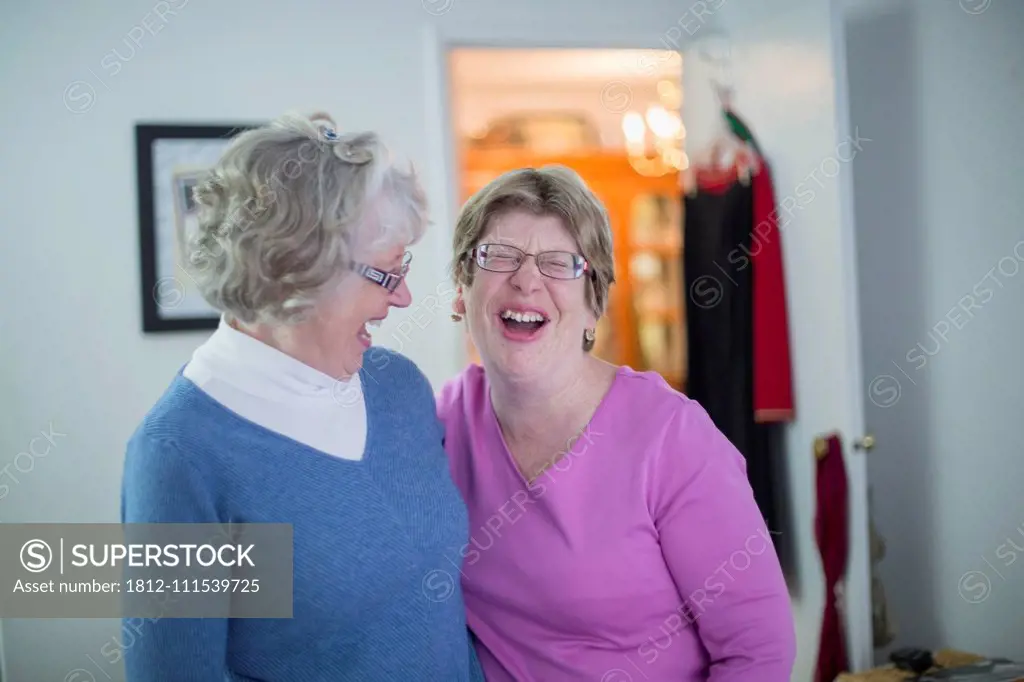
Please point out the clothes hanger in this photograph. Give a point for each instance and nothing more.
(733, 155)
(748, 152)
(737, 125)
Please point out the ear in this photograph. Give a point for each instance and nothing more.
(458, 305)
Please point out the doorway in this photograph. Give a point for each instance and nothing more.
(613, 116)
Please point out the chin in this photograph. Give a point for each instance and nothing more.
(520, 361)
(352, 361)
(356, 359)
(356, 363)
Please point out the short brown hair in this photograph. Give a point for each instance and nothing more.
(555, 191)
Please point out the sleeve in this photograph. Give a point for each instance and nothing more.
(773, 383)
(161, 485)
(719, 552)
(448, 401)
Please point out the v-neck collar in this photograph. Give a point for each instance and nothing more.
(509, 458)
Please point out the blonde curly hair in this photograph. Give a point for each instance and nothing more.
(285, 208)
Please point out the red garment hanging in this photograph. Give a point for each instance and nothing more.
(832, 531)
(773, 388)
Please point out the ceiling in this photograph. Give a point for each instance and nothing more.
(490, 67)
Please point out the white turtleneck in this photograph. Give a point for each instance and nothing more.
(280, 393)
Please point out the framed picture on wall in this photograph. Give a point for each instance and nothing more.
(171, 159)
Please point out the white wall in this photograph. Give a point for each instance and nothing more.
(938, 87)
(74, 357)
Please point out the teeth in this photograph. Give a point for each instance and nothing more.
(374, 323)
(521, 317)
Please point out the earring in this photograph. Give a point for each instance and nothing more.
(588, 339)
(456, 317)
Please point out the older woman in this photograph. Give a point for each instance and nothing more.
(614, 535)
(301, 244)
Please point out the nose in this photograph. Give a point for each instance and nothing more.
(527, 278)
(401, 297)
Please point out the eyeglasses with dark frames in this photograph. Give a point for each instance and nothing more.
(388, 280)
(508, 258)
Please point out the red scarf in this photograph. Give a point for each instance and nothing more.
(832, 531)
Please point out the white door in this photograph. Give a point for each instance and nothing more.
(787, 70)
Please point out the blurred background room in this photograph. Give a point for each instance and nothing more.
(894, 241)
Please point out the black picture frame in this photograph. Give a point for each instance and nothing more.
(170, 159)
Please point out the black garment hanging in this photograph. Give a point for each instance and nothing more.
(719, 311)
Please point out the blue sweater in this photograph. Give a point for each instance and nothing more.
(369, 536)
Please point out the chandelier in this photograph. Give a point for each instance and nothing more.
(654, 140)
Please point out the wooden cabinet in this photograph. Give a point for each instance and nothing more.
(644, 323)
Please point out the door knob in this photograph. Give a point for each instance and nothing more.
(866, 443)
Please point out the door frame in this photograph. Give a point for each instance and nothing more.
(858, 613)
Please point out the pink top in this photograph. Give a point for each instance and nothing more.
(583, 575)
